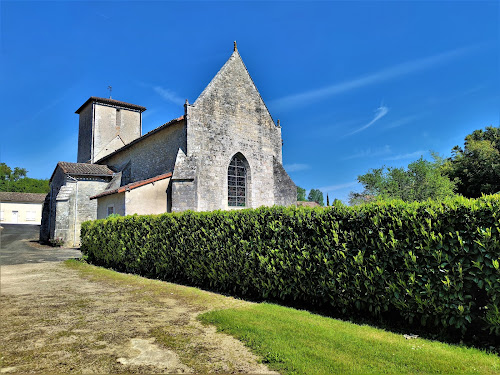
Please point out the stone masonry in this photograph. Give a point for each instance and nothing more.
(182, 165)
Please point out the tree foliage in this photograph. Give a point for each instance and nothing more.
(16, 180)
(420, 181)
(476, 166)
(301, 194)
(316, 195)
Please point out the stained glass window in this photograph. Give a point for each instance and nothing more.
(236, 183)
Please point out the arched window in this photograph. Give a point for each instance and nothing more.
(237, 182)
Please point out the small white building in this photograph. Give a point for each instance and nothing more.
(21, 208)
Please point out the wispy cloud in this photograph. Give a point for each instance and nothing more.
(402, 121)
(410, 155)
(337, 187)
(296, 167)
(168, 95)
(379, 113)
(369, 153)
(395, 71)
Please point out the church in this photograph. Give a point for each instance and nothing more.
(224, 153)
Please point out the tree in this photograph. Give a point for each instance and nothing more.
(16, 180)
(477, 165)
(356, 199)
(301, 194)
(420, 181)
(6, 173)
(316, 195)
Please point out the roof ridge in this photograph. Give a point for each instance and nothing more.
(115, 102)
(175, 120)
(133, 185)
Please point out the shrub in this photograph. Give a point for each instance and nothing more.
(430, 263)
(56, 242)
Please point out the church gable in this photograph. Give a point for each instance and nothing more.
(230, 118)
(232, 92)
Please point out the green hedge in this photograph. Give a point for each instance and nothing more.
(431, 263)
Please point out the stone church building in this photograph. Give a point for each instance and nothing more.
(225, 153)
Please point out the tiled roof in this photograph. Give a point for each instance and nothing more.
(85, 169)
(132, 185)
(113, 102)
(22, 197)
(171, 122)
(307, 204)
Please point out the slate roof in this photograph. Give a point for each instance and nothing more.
(132, 185)
(111, 102)
(22, 197)
(85, 169)
(161, 127)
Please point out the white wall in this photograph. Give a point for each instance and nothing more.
(27, 213)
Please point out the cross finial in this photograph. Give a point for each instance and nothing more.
(235, 48)
(279, 125)
(110, 89)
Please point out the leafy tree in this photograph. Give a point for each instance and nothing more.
(356, 199)
(316, 195)
(420, 181)
(477, 165)
(337, 202)
(6, 173)
(301, 194)
(16, 180)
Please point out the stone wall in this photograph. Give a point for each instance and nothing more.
(85, 134)
(68, 205)
(285, 191)
(230, 117)
(114, 128)
(75, 207)
(151, 156)
(49, 211)
(104, 129)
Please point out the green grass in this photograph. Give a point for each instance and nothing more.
(297, 342)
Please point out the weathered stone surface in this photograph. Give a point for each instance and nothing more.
(105, 128)
(229, 118)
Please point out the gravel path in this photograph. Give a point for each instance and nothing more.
(56, 318)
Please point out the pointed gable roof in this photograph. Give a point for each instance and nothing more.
(233, 73)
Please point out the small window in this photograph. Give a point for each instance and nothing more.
(111, 210)
(118, 118)
(236, 183)
(30, 215)
(1, 216)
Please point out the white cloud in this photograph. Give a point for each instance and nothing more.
(168, 95)
(370, 79)
(296, 167)
(369, 153)
(379, 113)
(411, 155)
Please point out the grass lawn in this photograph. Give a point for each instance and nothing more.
(298, 342)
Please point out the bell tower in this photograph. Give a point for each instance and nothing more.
(105, 126)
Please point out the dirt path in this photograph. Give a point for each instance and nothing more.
(55, 318)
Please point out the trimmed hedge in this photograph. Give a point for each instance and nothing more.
(431, 263)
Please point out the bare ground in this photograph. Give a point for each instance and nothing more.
(58, 318)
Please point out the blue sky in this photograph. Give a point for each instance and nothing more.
(356, 85)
